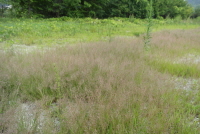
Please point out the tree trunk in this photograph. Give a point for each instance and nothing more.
(2, 10)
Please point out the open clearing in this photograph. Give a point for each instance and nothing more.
(108, 86)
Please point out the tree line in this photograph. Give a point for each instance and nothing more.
(100, 8)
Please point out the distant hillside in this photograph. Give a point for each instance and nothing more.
(194, 2)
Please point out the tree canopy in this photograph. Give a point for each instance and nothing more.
(196, 12)
(101, 8)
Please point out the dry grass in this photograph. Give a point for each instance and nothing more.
(177, 42)
(98, 88)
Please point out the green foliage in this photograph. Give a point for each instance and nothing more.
(46, 8)
(3, 9)
(171, 8)
(149, 25)
(196, 12)
(180, 70)
(47, 32)
(5, 1)
(100, 8)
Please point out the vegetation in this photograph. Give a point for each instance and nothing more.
(196, 12)
(106, 83)
(64, 30)
(99, 8)
(147, 37)
(73, 74)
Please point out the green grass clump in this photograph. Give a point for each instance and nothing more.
(177, 69)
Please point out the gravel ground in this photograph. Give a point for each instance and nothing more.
(189, 59)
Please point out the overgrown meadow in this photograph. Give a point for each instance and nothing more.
(72, 76)
(60, 31)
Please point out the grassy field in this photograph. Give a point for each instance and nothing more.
(94, 76)
(61, 31)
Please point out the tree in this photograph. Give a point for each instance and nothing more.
(196, 12)
(94, 8)
(3, 6)
(46, 8)
(171, 8)
(101, 8)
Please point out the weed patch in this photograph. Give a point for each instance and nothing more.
(101, 87)
(55, 31)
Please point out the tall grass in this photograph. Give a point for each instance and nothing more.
(98, 88)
